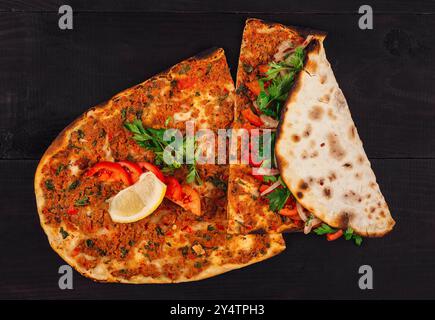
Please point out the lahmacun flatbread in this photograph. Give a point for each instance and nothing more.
(321, 178)
(80, 173)
(263, 44)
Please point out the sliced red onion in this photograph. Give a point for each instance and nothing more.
(256, 107)
(307, 41)
(271, 188)
(311, 224)
(269, 122)
(265, 171)
(283, 49)
(301, 212)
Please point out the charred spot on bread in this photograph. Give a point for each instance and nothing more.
(303, 185)
(327, 192)
(316, 113)
(296, 138)
(343, 219)
(336, 150)
(325, 98)
(347, 165)
(307, 131)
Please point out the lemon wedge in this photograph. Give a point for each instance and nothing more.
(139, 200)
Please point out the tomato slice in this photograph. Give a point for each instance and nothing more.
(258, 177)
(290, 212)
(132, 168)
(110, 171)
(174, 191)
(252, 117)
(334, 236)
(146, 166)
(72, 211)
(264, 187)
(191, 200)
(187, 229)
(263, 68)
(254, 86)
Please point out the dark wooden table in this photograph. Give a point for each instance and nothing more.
(49, 76)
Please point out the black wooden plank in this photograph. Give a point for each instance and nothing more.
(48, 76)
(403, 262)
(272, 6)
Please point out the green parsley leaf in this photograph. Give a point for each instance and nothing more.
(59, 169)
(324, 229)
(350, 235)
(278, 198)
(218, 183)
(89, 243)
(296, 59)
(193, 175)
(123, 113)
(168, 119)
(80, 134)
(159, 231)
(73, 185)
(269, 179)
(184, 250)
(281, 74)
(49, 184)
(82, 202)
(152, 139)
(357, 239)
(207, 71)
(124, 252)
(63, 233)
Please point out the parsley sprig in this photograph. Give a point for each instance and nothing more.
(282, 75)
(278, 197)
(152, 139)
(348, 234)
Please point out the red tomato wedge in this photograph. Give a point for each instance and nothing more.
(290, 212)
(264, 187)
(263, 68)
(334, 236)
(146, 166)
(71, 210)
(254, 87)
(252, 117)
(110, 171)
(190, 200)
(258, 177)
(132, 168)
(173, 189)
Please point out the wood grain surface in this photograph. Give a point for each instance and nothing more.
(48, 77)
